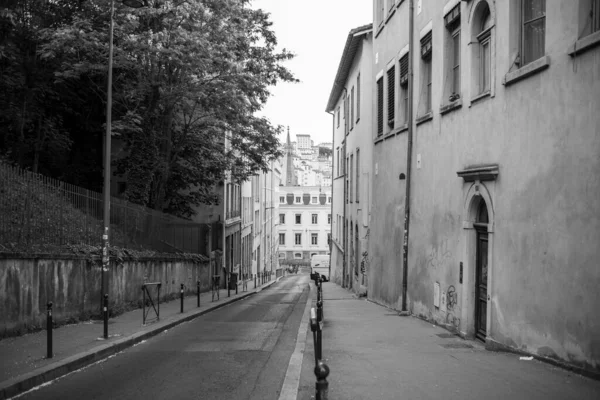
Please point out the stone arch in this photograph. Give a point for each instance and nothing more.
(477, 192)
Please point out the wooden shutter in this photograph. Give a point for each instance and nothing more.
(391, 76)
(426, 46)
(379, 106)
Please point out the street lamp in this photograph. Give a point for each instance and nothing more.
(107, 145)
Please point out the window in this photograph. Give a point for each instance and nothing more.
(347, 161)
(281, 255)
(452, 22)
(357, 174)
(380, 106)
(297, 255)
(346, 113)
(404, 88)
(329, 219)
(281, 199)
(380, 12)
(351, 176)
(329, 200)
(426, 71)
(352, 108)
(298, 218)
(391, 77)
(358, 98)
(483, 38)
(533, 30)
(314, 200)
(589, 17)
(314, 239)
(298, 238)
(315, 218)
(281, 219)
(338, 116)
(298, 199)
(282, 238)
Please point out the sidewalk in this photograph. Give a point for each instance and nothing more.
(23, 362)
(373, 353)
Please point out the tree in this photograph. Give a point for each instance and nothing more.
(186, 74)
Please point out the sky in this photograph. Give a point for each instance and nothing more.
(316, 31)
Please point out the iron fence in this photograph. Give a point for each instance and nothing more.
(38, 213)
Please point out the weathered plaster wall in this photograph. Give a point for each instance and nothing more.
(74, 284)
(388, 162)
(544, 133)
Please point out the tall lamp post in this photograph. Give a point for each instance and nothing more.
(107, 145)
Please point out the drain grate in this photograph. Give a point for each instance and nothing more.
(446, 335)
(457, 346)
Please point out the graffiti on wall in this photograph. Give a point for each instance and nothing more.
(439, 255)
(451, 298)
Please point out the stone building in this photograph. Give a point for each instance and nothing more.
(504, 217)
(350, 106)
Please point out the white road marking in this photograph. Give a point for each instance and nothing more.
(289, 390)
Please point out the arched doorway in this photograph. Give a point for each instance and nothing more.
(481, 270)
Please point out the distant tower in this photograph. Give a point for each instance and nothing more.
(289, 175)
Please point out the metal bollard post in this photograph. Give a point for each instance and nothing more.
(105, 312)
(181, 296)
(321, 369)
(49, 352)
(198, 287)
(254, 281)
(322, 386)
(228, 280)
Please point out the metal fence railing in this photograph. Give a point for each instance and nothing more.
(38, 213)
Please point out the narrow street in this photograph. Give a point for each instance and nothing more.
(238, 352)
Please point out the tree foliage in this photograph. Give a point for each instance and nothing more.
(186, 76)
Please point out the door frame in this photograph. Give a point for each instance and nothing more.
(476, 192)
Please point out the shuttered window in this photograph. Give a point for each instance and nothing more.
(404, 89)
(426, 46)
(391, 76)
(352, 108)
(380, 107)
(358, 98)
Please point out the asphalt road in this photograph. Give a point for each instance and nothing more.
(240, 351)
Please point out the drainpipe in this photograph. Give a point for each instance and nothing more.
(408, 157)
(332, 185)
(345, 234)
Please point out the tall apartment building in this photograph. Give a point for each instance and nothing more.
(349, 103)
(304, 222)
(492, 227)
(265, 189)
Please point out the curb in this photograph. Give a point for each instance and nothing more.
(30, 380)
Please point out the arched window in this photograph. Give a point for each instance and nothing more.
(297, 255)
(482, 26)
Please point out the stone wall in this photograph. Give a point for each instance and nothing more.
(73, 284)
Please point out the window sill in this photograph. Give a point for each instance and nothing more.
(584, 44)
(481, 96)
(381, 25)
(455, 105)
(378, 139)
(424, 118)
(527, 70)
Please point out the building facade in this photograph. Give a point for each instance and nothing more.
(350, 106)
(303, 222)
(504, 216)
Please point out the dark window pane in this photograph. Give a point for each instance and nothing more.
(533, 9)
(533, 40)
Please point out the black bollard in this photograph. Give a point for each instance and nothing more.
(198, 286)
(322, 386)
(105, 312)
(181, 296)
(49, 330)
(321, 369)
(254, 281)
